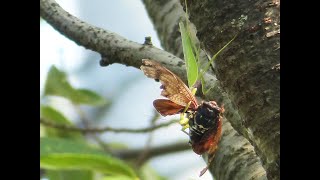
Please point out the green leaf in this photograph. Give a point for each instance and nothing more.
(117, 146)
(85, 96)
(49, 146)
(58, 85)
(51, 114)
(61, 154)
(119, 177)
(190, 59)
(42, 131)
(146, 172)
(70, 174)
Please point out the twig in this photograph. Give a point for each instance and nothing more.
(144, 153)
(86, 123)
(105, 129)
(154, 151)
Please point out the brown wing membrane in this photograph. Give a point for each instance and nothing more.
(173, 87)
(166, 107)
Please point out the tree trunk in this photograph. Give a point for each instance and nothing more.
(249, 71)
(165, 16)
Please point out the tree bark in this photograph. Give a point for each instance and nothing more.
(166, 16)
(249, 71)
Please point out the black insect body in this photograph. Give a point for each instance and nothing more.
(204, 123)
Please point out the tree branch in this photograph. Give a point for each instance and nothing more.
(105, 129)
(153, 151)
(112, 47)
(143, 156)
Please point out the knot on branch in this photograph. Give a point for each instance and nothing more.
(105, 61)
(147, 41)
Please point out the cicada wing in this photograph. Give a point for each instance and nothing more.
(166, 107)
(173, 87)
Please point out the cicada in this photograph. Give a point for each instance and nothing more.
(204, 119)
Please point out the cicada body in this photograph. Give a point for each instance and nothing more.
(205, 120)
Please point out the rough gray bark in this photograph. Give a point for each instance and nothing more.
(166, 16)
(249, 71)
(116, 49)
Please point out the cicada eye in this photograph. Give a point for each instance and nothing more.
(208, 109)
